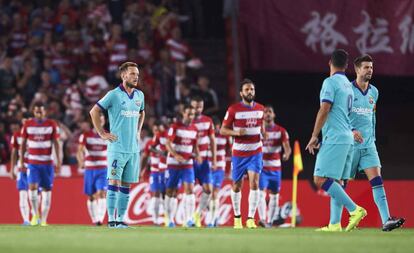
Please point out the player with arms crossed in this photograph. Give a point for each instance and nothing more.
(181, 144)
(207, 147)
(125, 107)
(271, 176)
(39, 134)
(244, 121)
(333, 162)
(365, 158)
(91, 156)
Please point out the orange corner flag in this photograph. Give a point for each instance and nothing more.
(297, 159)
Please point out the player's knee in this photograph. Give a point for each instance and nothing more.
(318, 181)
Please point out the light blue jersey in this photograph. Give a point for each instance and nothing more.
(124, 112)
(363, 114)
(337, 90)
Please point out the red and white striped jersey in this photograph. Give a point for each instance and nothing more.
(241, 116)
(183, 138)
(117, 55)
(159, 142)
(95, 150)
(223, 142)
(95, 85)
(15, 142)
(179, 51)
(272, 147)
(205, 128)
(40, 136)
(154, 158)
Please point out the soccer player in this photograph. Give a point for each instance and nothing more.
(91, 156)
(207, 147)
(365, 157)
(244, 121)
(157, 180)
(271, 176)
(333, 162)
(125, 107)
(223, 146)
(181, 144)
(39, 134)
(20, 174)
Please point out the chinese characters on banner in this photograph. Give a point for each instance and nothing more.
(286, 38)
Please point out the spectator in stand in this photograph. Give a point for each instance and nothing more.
(117, 48)
(27, 81)
(164, 73)
(96, 87)
(209, 96)
(18, 36)
(7, 83)
(180, 52)
(4, 147)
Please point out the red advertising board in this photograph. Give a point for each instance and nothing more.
(69, 203)
(281, 36)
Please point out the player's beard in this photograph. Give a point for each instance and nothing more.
(249, 98)
(367, 78)
(131, 85)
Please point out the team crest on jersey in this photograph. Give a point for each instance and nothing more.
(113, 172)
(138, 103)
(371, 100)
(251, 122)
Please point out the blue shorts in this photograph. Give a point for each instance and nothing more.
(271, 180)
(202, 172)
(157, 182)
(123, 166)
(240, 165)
(175, 176)
(364, 159)
(94, 180)
(334, 161)
(218, 177)
(40, 174)
(21, 181)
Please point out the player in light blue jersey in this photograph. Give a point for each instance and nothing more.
(333, 162)
(125, 107)
(365, 157)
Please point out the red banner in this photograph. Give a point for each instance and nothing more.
(281, 36)
(69, 203)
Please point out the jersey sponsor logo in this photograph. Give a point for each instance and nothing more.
(130, 114)
(362, 111)
(251, 122)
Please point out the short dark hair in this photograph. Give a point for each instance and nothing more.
(362, 58)
(124, 66)
(197, 98)
(339, 58)
(270, 106)
(39, 104)
(244, 82)
(187, 106)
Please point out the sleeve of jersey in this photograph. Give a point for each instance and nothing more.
(82, 139)
(171, 133)
(143, 103)
(327, 92)
(211, 130)
(55, 135)
(23, 132)
(106, 102)
(228, 118)
(285, 135)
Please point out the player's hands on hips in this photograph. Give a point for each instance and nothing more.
(358, 136)
(312, 145)
(108, 136)
(179, 158)
(285, 157)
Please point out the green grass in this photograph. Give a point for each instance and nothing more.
(76, 239)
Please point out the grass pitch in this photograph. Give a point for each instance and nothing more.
(76, 239)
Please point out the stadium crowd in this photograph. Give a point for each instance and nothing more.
(66, 53)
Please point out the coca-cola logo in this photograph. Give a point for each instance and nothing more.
(140, 206)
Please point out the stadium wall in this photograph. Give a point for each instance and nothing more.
(69, 203)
